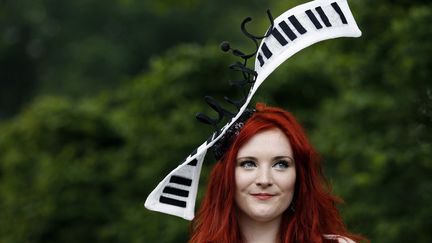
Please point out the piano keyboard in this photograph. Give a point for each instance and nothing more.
(292, 27)
(176, 192)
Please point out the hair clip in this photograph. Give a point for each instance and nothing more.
(292, 31)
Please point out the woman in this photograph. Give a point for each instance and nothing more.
(269, 187)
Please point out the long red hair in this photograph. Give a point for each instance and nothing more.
(315, 213)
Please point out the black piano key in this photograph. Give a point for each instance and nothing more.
(339, 11)
(297, 24)
(313, 19)
(193, 162)
(172, 201)
(176, 191)
(287, 30)
(260, 59)
(180, 180)
(323, 16)
(266, 51)
(279, 37)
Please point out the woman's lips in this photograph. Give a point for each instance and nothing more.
(262, 196)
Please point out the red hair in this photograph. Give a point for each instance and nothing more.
(315, 212)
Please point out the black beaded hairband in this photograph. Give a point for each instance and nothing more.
(224, 143)
(295, 29)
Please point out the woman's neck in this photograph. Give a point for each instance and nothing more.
(258, 232)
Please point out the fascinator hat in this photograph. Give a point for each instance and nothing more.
(292, 31)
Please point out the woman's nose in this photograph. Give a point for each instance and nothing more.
(264, 178)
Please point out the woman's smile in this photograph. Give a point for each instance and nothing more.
(263, 196)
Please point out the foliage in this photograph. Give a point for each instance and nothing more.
(376, 134)
(79, 169)
(77, 48)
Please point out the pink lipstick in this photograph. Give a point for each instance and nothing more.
(262, 196)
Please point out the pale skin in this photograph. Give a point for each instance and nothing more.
(265, 178)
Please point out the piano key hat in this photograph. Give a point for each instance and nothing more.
(289, 33)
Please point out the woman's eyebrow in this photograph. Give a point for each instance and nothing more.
(246, 157)
(283, 157)
(274, 158)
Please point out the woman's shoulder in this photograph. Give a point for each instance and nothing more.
(341, 239)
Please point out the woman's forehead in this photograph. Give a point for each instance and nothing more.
(271, 142)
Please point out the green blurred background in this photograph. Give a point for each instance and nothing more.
(98, 98)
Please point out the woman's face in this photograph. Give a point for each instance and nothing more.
(265, 176)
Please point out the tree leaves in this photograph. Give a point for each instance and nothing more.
(80, 169)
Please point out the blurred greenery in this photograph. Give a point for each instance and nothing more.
(98, 100)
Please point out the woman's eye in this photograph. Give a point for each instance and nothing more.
(281, 164)
(247, 164)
